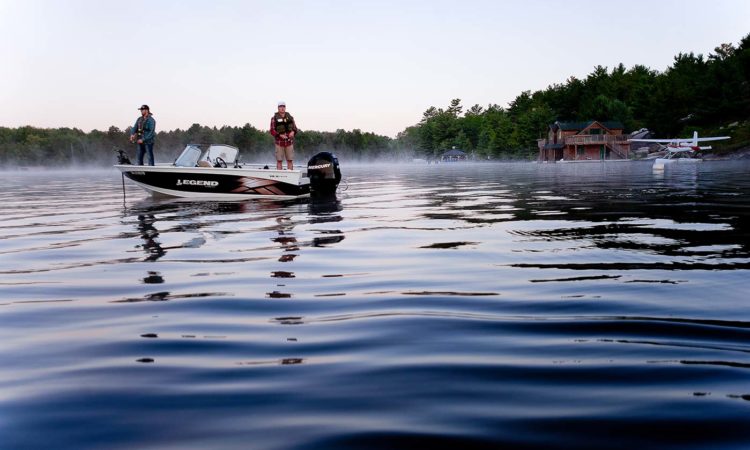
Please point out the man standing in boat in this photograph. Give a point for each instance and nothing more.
(283, 130)
(144, 132)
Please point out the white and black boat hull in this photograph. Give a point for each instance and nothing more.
(218, 183)
(201, 172)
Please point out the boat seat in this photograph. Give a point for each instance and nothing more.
(203, 164)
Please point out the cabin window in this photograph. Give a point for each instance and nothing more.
(595, 131)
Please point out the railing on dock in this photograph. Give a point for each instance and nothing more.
(615, 142)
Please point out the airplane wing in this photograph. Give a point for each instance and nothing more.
(680, 141)
(717, 138)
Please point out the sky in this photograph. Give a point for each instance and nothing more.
(369, 65)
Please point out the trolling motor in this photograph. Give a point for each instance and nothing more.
(122, 157)
(324, 173)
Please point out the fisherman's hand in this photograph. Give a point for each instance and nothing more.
(132, 139)
(284, 136)
(140, 141)
(291, 134)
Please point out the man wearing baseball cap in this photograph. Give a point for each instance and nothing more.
(144, 133)
(283, 130)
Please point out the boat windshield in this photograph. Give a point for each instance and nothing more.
(225, 152)
(189, 157)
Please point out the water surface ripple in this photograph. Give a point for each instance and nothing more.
(469, 306)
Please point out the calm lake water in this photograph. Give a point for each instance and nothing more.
(462, 306)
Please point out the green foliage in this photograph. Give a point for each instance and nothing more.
(695, 93)
(39, 146)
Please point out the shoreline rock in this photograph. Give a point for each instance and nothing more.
(741, 153)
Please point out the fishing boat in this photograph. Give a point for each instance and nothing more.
(213, 171)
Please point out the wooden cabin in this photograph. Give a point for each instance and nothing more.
(577, 141)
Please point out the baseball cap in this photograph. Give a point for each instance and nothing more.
(282, 103)
(144, 107)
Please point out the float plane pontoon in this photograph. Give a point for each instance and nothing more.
(682, 150)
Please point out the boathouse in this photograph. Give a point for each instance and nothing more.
(453, 155)
(580, 141)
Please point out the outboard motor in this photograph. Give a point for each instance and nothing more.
(324, 173)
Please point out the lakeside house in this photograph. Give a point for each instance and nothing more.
(592, 140)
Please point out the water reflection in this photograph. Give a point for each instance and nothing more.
(286, 238)
(287, 241)
(335, 237)
(164, 296)
(202, 224)
(149, 234)
(281, 362)
(323, 209)
(282, 274)
(153, 278)
(452, 296)
(624, 211)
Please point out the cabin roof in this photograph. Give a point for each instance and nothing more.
(578, 126)
(454, 152)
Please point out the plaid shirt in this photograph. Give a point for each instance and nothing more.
(280, 141)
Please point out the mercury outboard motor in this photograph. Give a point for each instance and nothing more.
(324, 173)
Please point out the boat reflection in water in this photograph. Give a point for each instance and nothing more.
(240, 228)
(150, 234)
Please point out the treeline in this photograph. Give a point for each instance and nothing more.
(60, 146)
(695, 93)
(257, 145)
(707, 94)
